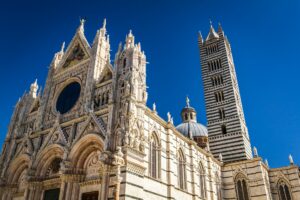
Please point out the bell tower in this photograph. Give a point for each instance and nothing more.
(227, 130)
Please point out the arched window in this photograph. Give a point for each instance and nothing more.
(241, 187)
(218, 186)
(181, 170)
(202, 183)
(154, 157)
(186, 116)
(283, 190)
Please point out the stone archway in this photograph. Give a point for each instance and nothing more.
(85, 159)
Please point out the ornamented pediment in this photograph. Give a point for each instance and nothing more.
(91, 125)
(35, 105)
(25, 147)
(77, 51)
(106, 74)
(55, 136)
(76, 55)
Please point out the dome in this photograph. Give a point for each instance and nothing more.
(192, 129)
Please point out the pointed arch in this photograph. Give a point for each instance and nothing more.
(241, 187)
(154, 156)
(284, 191)
(84, 147)
(181, 169)
(18, 166)
(46, 157)
(202, 181)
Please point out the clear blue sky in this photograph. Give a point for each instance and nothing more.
(263, 35)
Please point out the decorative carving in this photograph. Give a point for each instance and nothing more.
(75, 56)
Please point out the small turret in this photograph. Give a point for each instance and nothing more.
(33, 89)
(129, 40)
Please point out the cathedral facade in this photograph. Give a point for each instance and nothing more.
(90, 136)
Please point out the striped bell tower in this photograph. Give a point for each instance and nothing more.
(227, 130)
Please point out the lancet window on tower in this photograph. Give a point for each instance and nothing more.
(214, 65)
(219, 96)
(217, 80)
(221, 113)
(283, 190)
(212, 49)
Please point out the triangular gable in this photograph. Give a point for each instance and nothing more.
(55, 136)
(25, 147)
(106, 74)
(92, 125)
(35, 105)
(77, 51)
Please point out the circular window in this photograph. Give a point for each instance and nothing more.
(68, 97)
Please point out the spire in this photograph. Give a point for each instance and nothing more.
(103, 28)
(129, 40)
(212, 33)
(62, 49)
(104, 24)
(220, 29)
(200, 38)
(33, 89)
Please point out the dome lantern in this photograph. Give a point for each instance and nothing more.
(190, 128)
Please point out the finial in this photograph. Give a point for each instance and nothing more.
(210, 22)
(187, 101)
(291, 159)
(154, 107)
(220, 157)
(169, 117)
(130, 33)
(62, 47)
(255, 152)
(267, 163)
(82, 21)
(81, 27)
(129, 40)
